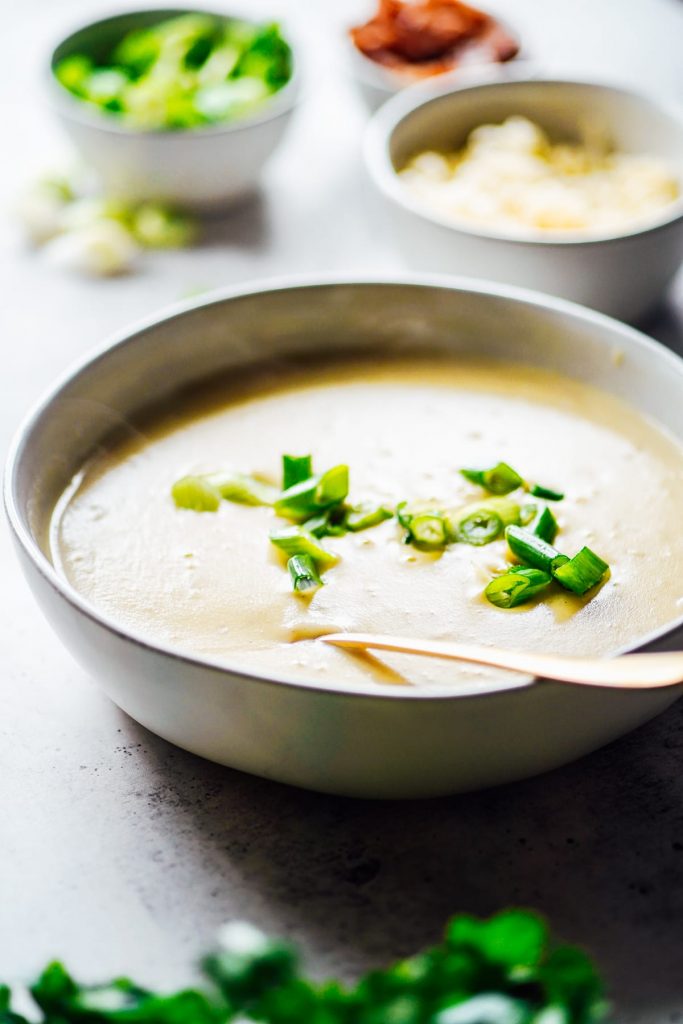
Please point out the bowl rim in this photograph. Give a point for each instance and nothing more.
(69, 106)
(380, 169)
(127, 336)
(390, 80)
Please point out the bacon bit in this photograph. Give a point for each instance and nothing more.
(428, 37)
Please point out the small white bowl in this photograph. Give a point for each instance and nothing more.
(620, 274)
(206, 167)
(377, 83)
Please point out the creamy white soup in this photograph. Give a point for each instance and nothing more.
(211, 583)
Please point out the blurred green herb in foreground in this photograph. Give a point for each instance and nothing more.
(184, 72)
(92, 235)
(505, 970)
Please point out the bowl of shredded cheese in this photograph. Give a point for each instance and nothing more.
(573, 188)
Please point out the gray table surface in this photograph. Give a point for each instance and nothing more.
(121, 853)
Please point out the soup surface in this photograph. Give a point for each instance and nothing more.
(211, 583)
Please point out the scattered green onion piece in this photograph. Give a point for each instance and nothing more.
(333, 486)
(530, 549)
(330, 523)
(304, 574)
(545, 492)
(74, 71)
(545, 526)
(295, 540)
(197, 493)
(336, 520)
(295, 468)
(500, 479)
(428, 530)
(363, 517)
(310, 497)
(317, 525)
(159, 227)
(582, 572)
(480, 527)
(517, 586)
(527, 514)
(298, 501)
(403, 514)
(242, 489)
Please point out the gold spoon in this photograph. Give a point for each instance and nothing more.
(629, 671)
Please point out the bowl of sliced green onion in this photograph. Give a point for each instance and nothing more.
(172, 105)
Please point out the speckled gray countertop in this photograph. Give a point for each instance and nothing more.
(122, 854)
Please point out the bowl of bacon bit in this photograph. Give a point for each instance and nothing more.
(408, 41)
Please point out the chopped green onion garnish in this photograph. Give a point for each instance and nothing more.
(330, 523)
(242, 489)
(362, 517)
(428, 530)
(545, 492)
(501, 479)
(295, 468)
(582, 572)
(295, 540)
(333, 486)
(517, 586)
(298, 501)
(317, 525)
(403, 514)
(545, 526)
(502, 509)
(197, 493)
(529, 548)
(425, 527)
(480, 527)
(304, 573)
(310, 497)
(527, 514)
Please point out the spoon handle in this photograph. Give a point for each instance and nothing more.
(629, 671)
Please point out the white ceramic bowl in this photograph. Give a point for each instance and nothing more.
(349, 738)
(377, 84)
(623, 274)
(203, 168)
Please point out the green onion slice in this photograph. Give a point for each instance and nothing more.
(333, 486)
(298, 501)
(527, 514)
(480, 527)
(545, 526)
(428, 530)
(317, 525)
(582, 572)
(304, 574)
(426, 527)
(500, 479)
(197, 493)
(295, 468)
(517, 586)
(505, 509)
(242, 489)
(530, 549)
(310, 497)
(330, 523)
(364, 516)
(539, 491)
(295, 540)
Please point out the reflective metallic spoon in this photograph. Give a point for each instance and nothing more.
(629, 671)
